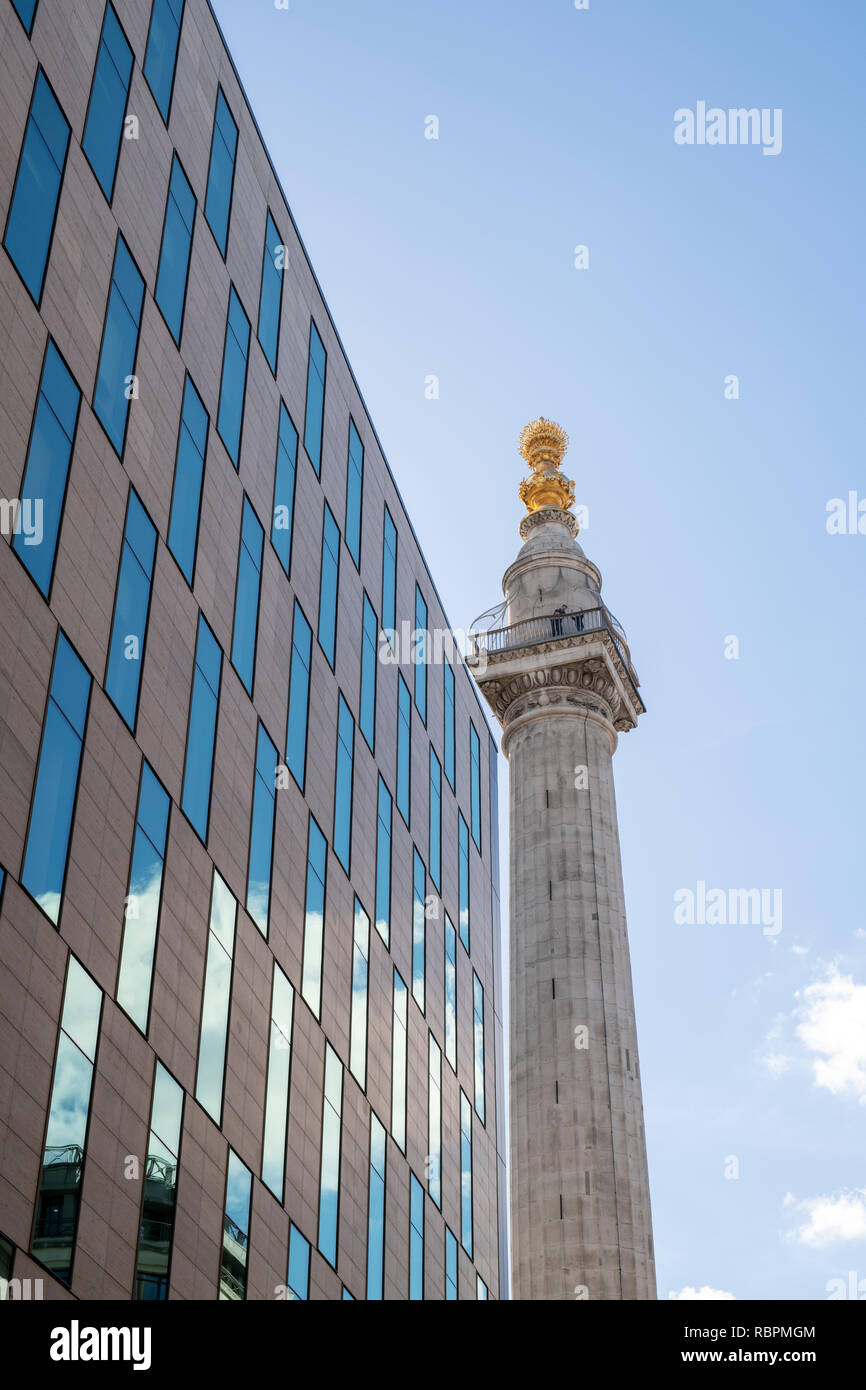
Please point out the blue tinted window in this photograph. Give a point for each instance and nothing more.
(314, 918)
(26, 10)
(475, 783)
(143, 899)
(299, 697)
(420, 654)
(383, 864)
(247, 597)
(369, 661)
(449, 723)
(389, 576)
(434, 1122)
(450, 992)
(221, 174)
(198, 769)
(329, 1187)
(161, 55)
(358, 1015)
(188, 474)
(466, 1174)
(119, 346)
(404, 732)
(343, 785)
(314, 415)
(376, 1211)
(262, 832)
(103, 129)
(37, 187)
(419, 884)
(277, 1093)
(236, 1230)
(354, 493)
(216, 1000)
(160, 1189)
(478, 1042)
(416, 1238)
(45, 476)
(47, 847)
(399, 1062)
(299, 1265)
(234, 378)
(131, 608)
(450, 1266)
(463, 879)
(271, 296)
(329, 586)
(171, 277)
(435, 846)
(284, 489)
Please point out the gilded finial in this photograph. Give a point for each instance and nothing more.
(543, 444)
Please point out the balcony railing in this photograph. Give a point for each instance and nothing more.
(550, 628)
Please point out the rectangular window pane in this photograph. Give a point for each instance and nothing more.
(419, 885)
(236, 1230)
(63, 1157)
(398, 1063)
(416, 1238)
(329, 1187)
(314, 415)
(449, 723)
(435, 821)
(450, 992)
(434, 1123)
(221, 173)
(314, 917)
(43, 492)
(369, 662)
(284, 489)
(160, 1189)
(299, 1265)
(480, 1288)
(33, 210)
(204, 702)
(246, 624)
(131, 609)
(119, 346)
(478, 1034)
(376, 1211)
(463, 878)
(271, 294)
(234, 378)
(299, 697)
(141, 918)
(262, 832)
(404, 745)
(360, 972)
(354, 493)
(161, 54)
(329, 586)
(216, 1000)
(389, 575)
(420, 650)
(103, 128)
(174, 254)
(47, 847)
(26, 11)
(343, 785)
(466, 1174)
(450, 1266)
(188, 475)
(277, 1095)
(475, 784)
(383, 864)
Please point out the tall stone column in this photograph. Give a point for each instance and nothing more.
(559, 678)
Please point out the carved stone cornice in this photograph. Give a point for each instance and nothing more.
(583, 684)
(533, 519)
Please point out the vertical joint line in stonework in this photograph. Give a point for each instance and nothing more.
(603, 1007)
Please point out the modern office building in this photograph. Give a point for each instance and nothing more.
(250, 1039)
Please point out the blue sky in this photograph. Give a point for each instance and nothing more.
(707, 516)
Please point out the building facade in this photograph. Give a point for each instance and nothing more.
(249, 998)
(558, 675)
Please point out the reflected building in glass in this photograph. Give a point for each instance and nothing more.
(249, 883)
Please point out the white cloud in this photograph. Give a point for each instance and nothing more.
(831, 1219)
(800, 950)
(833, 1025)
(777, 1063)
(705, 1293)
